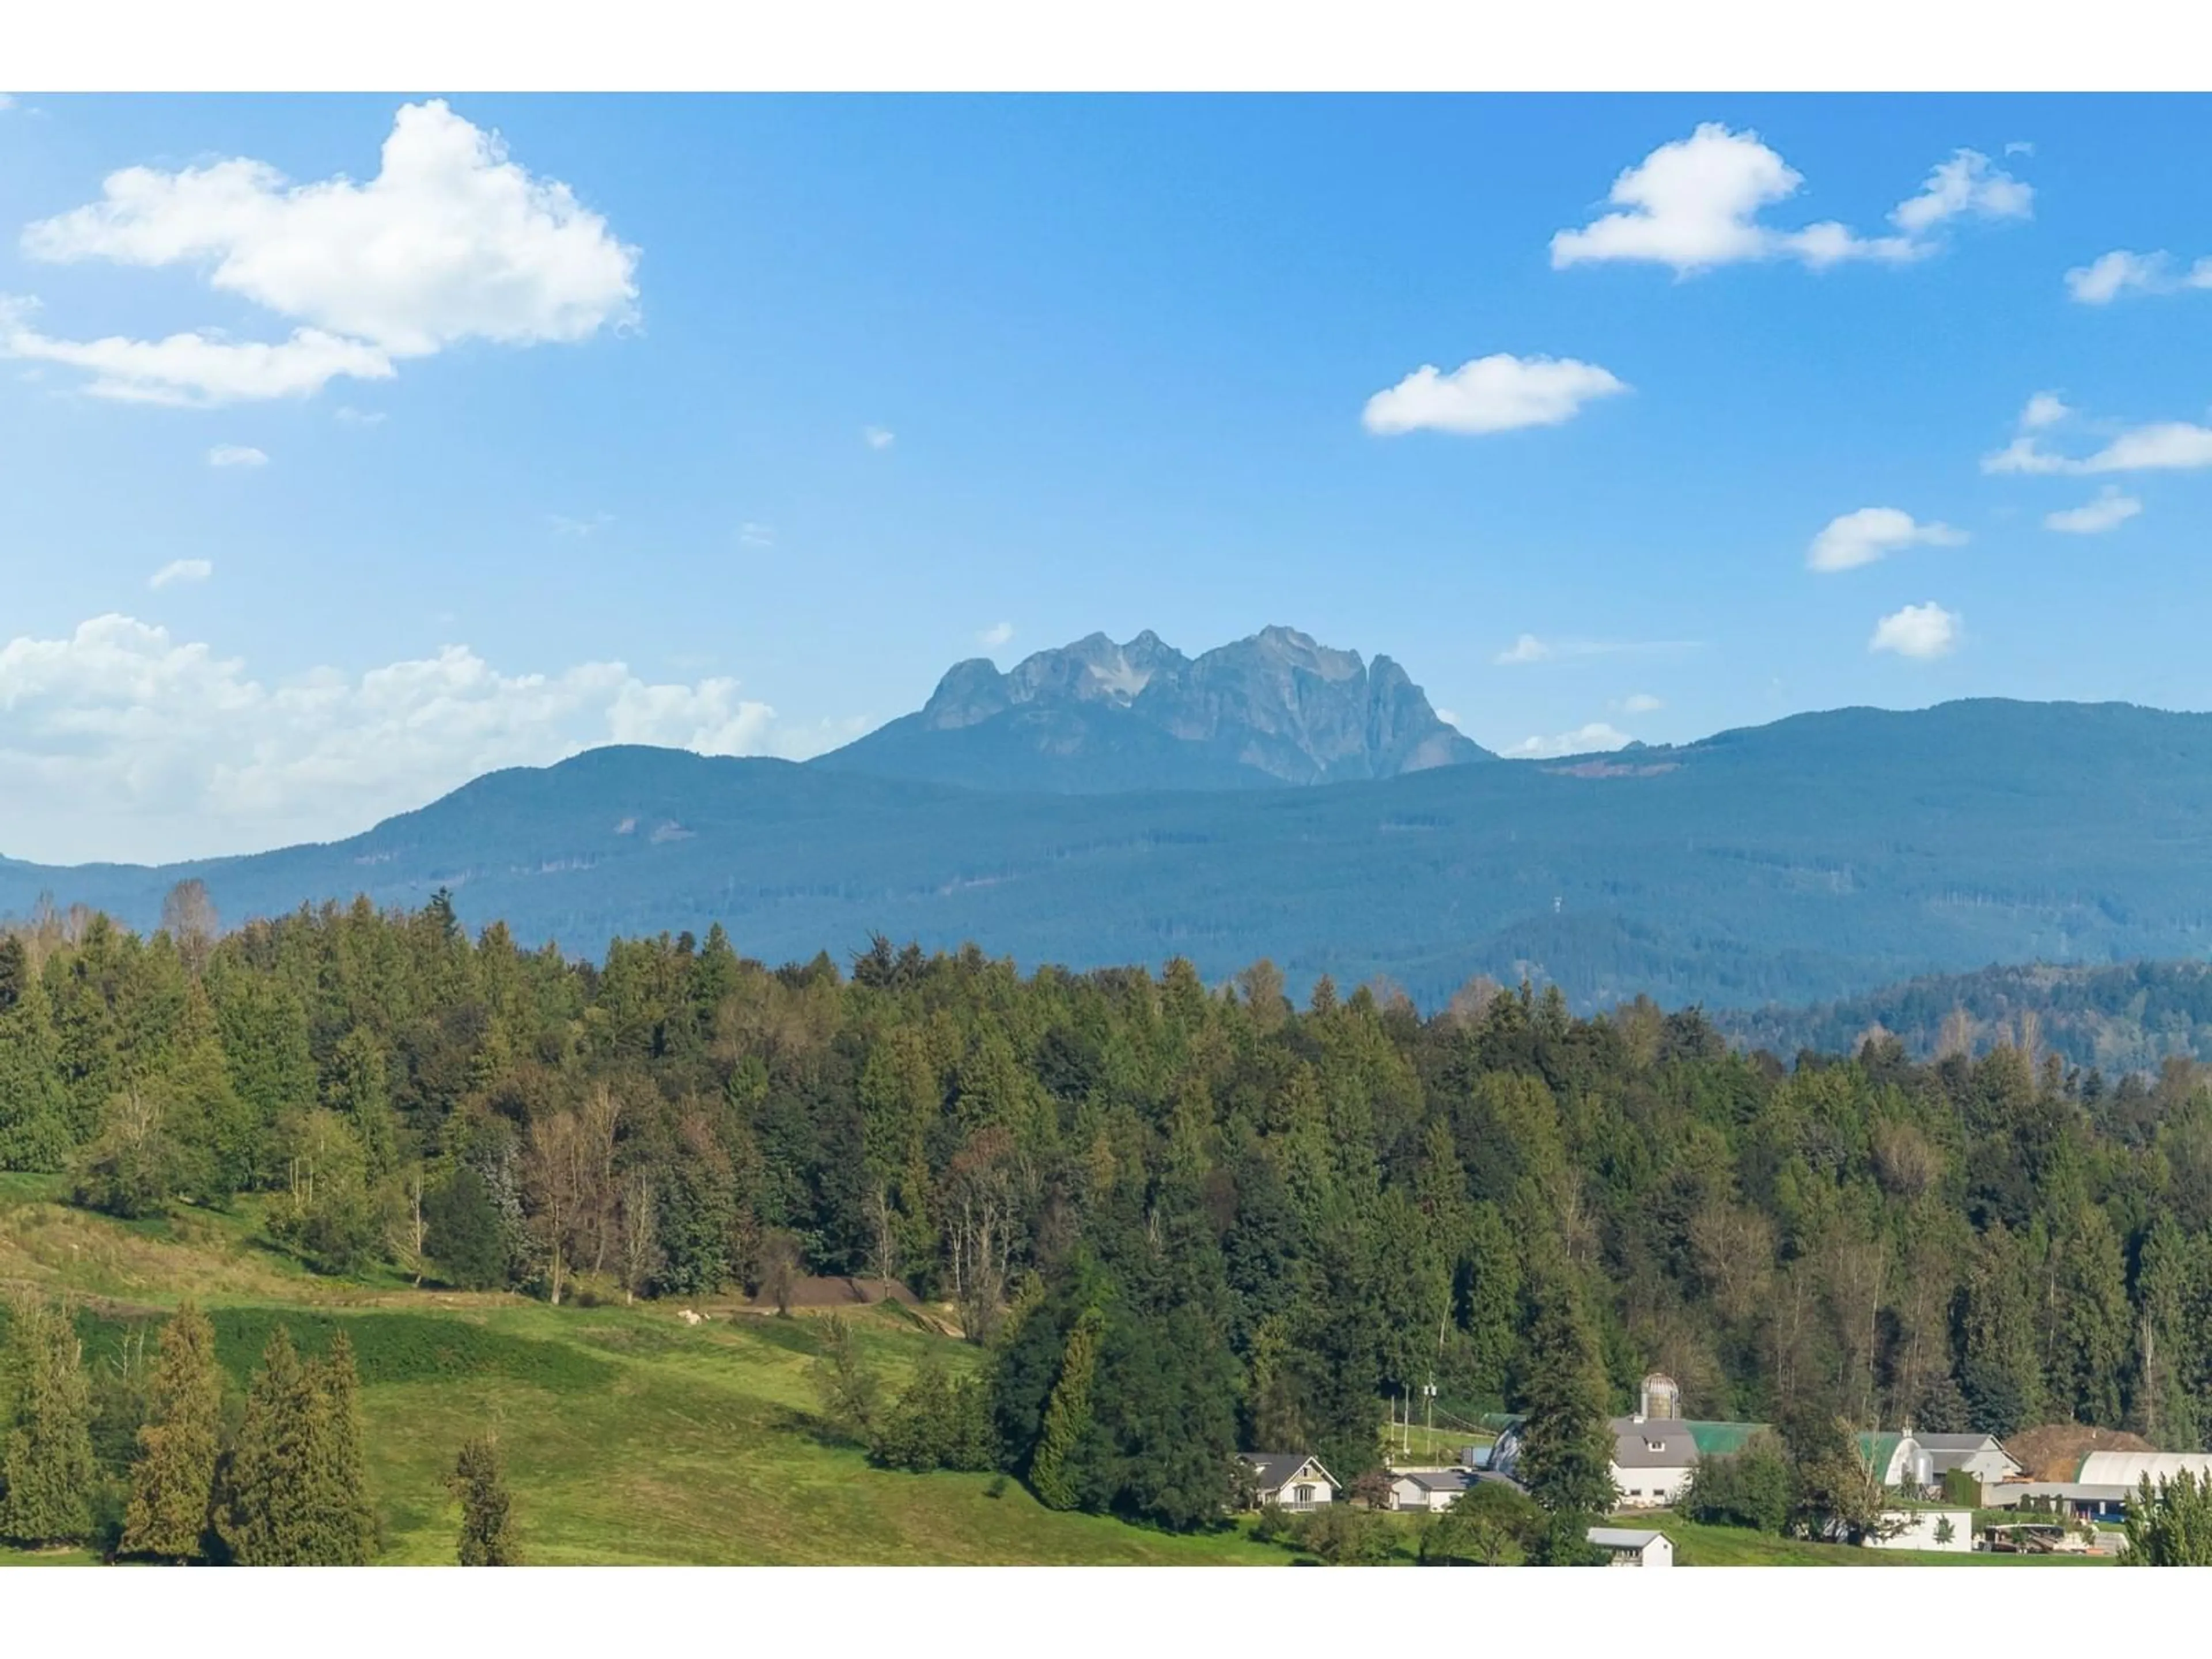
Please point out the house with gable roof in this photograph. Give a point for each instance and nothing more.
(1290, 1480)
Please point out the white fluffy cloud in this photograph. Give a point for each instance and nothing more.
(1528, 648)
(451, 241)
(756, 535)
(995, 635)
(1695, 204)
(1874, 532)
(203, 369)
(236, 455)
(2106, 277)
(2044, 409)
(181, 570)
(2160, 447)
(121, 742)
(2108, 512)
(1920, 631)
(1496, 393)
(1582, 740)
(2164, 446)
(878, 437)
(1640, 703)
(1969, 184)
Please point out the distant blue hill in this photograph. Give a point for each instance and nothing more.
(1805, 861)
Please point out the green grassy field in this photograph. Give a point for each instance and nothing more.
(1737, 1547)
(631, 1437)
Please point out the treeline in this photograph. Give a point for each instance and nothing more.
(278, 1479)
(1185, 1219)
(2124, 1017)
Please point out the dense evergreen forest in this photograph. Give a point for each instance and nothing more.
(1182, 1218)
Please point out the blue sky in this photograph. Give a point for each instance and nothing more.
(603, 465)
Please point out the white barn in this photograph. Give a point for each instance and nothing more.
(1655, 1451)
(1290, 1480)
(1652, 1462)
(1633, 1546)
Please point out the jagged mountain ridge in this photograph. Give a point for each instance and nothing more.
(1096, 717)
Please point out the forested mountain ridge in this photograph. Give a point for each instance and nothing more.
(2134, 1016)
(1235, 1223)
(1818, 857)
(1096, 717)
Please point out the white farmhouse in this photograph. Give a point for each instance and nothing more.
(1428, 1489)
(1633, 1546)
(1290, 1480)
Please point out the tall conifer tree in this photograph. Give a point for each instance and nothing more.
(487, 1506)
(341, 1529)
(1067, 1415)
(34, 1108)
(172, 1482)
(1566, 1459)
(46, 1461)
(265, 1518)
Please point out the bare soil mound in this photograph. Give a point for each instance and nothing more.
(2055, 1451)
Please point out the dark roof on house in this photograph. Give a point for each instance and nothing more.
(1276, 1468)
(1656, 1443)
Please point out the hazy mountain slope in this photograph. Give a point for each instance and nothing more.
(1812, 859)
(1098, 717)
(2129, 1017)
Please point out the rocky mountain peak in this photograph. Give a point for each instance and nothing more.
(1279, 706)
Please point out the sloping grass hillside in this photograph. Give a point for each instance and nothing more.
(629, 1435)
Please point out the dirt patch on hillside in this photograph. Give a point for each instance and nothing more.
(822, 1291)
(2055, 1451)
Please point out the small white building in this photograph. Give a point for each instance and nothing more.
(1290, 1480)
(1633, 1546)
(1926, 1529)
(1428, 1489)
